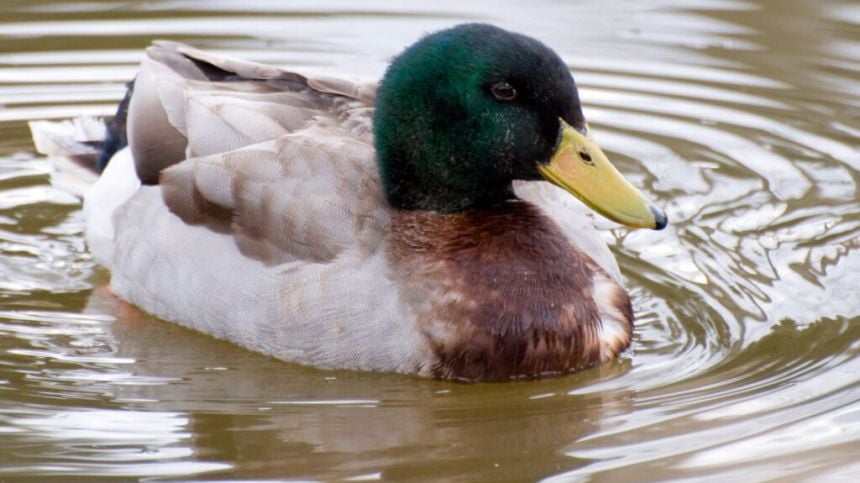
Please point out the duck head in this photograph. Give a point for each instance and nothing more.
(464, 112)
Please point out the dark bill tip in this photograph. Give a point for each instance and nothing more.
(660, 219)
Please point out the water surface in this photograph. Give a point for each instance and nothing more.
(741, 117)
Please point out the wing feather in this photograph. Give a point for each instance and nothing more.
(281, 161)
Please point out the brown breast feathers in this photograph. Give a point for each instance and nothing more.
(499, 293)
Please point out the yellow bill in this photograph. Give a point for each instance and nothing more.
(580, 167)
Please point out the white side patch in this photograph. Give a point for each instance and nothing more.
(615, 328)
(339, 314)
(114, 187)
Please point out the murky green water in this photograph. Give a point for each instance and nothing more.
(742, 117)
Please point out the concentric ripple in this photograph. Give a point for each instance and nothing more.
(739, 116)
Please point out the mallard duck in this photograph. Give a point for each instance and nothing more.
(424, 226)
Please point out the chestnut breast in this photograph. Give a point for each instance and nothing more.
(500, 293)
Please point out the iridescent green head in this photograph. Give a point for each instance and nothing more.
(464, 112)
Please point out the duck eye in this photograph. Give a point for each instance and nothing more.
(503, 91)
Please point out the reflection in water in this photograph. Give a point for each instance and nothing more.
(739, 116)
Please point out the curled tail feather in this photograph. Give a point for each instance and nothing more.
(80, 148)
(116, 134)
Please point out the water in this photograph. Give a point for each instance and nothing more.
(741, 117)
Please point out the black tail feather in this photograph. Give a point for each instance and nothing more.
(116, 136)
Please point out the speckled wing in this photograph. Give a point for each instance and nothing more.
(282, 161)
(308, 195)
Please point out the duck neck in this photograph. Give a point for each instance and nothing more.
(411, 193)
